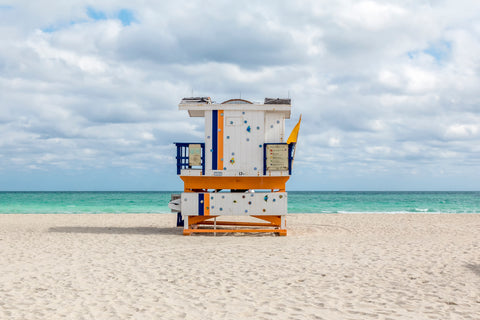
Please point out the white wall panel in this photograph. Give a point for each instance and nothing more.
(189, 204)
(257, 203)
(274, 127)
(208, 143)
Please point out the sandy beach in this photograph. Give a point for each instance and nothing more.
(336, 266)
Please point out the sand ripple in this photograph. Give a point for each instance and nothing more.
(329, 267)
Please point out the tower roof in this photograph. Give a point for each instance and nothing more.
(196, 106)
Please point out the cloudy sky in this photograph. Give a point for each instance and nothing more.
(389, 90)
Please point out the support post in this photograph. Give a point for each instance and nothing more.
(215, 226)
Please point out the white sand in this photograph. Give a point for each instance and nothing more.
(328, 267)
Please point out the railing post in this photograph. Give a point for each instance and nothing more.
(178, 158)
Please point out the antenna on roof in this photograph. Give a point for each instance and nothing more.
(240, 95)
(288, 94)
(192, 93)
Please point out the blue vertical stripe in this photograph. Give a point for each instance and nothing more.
(200, 204)
(214, 139)
(264, 159)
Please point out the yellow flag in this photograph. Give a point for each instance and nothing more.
(294, 135)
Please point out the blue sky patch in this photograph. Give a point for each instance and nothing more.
(126, 16)
(57, 27)
(96, 14)
(440, 51)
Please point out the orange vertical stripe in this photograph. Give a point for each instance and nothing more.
(220, 140)
(206, 204)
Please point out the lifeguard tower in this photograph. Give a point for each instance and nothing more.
(240, 169)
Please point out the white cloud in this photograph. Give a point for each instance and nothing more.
(71, 59)
(370, 15)
(384, 86)
(463, 131)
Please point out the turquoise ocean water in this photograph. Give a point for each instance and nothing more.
(299, 202)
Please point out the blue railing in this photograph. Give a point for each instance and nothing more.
(291, 155)
(183, 161)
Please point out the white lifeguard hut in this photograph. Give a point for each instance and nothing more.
(240, 169)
